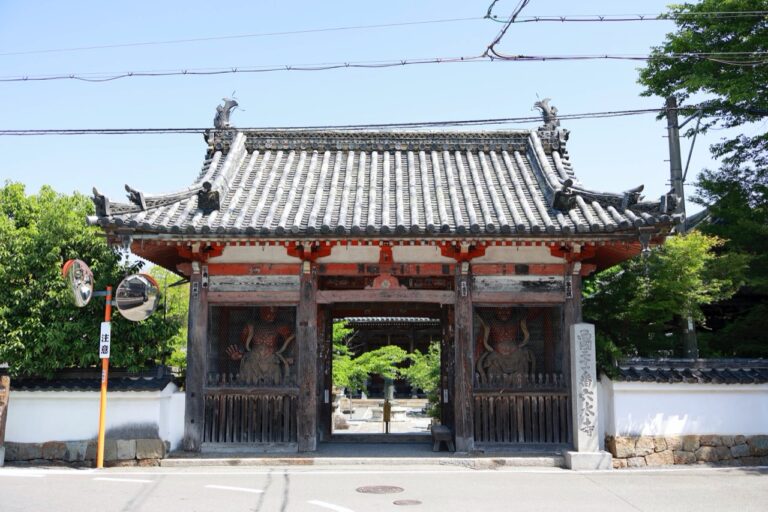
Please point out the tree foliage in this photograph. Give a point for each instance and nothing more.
(174, 308)
(733, 94)
(352, 372)
(635, 304)
(40, 331)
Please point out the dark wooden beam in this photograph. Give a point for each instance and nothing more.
(273, 297)
(513, 299)
(306, 338)
(194, 407)
(463, 364)
(382, 295)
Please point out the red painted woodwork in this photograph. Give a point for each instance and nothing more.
(536, 269)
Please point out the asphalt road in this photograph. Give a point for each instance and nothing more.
(336, 489)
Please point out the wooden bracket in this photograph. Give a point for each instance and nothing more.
(462, 252)
(200, 251)
(304, 253)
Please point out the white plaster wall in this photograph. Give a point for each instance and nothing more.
(40, 416)
(254, 254)
(514, 254)
(651, 409)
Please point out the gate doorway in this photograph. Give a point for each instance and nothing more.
(385, 367)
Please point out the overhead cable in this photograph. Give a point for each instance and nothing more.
(238, 36)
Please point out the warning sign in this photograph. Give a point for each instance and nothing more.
(104, 340)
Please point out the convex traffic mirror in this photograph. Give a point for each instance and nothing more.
(137, 297)
(80, 280)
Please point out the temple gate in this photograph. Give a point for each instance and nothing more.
(488, 232)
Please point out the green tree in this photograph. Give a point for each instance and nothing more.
(634, 305)
(174, 308)
(729, 82)
(40, 331)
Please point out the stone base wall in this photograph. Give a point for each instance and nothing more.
(639, 451)
(117, 452)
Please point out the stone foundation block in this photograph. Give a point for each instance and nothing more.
(580, 461)
(711, 441)
(110, 450)
(150, 449)
(621, 447)
(126, 449)
(2, 456)
(619, 463)
(727, 441)
(739, 450)
(146, 463)
(665, 458)
(751, 461)
(758, 446)
(659, 444)
(690, 443)
(23, 451)
(76, 451)
(674, 443)
(644, 446)
(90, 452)
(54, 450)
(723, 453)
(684, 457)
(739, 440)
(706, 454)
(120, 463)
(636, 462)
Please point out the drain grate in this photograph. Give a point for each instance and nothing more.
(379, 489)
(407, 502)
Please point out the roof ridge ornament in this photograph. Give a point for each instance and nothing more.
(550, 130)
(221, 120)
(548, 114)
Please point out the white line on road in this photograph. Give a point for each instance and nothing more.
(132, 480)
(230, 488)
(330, 506)
(21, 473)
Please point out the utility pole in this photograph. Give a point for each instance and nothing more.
(688, 327)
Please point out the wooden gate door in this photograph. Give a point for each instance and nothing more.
(520, 391)
(251, 389)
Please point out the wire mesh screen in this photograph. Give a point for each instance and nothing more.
(252, 347)
(518, 347)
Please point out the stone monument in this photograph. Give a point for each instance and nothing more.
(586, 453)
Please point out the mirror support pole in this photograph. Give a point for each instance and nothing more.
(103, 397)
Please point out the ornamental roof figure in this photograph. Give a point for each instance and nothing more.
(281, 183)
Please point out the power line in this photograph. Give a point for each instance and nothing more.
(591, 18)
(239, 36)
(720, 57)
(348, 127)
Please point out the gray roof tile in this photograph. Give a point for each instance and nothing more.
(283, 183)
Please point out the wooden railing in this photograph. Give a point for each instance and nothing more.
(526, 416)
(252, 416)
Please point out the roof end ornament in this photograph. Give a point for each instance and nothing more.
(136, 197)
(564, 198)
(207, 199)
(551, 130)
(221, 120)
(102, 203)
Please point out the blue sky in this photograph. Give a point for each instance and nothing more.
(608, 154)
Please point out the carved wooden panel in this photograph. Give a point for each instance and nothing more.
(520, 418)
(517, 284)
(253, 283)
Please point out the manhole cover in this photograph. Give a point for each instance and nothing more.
(379, 489)
(407, 502)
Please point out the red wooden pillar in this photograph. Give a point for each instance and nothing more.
(463, 362)
(307, 359)
(194, 407)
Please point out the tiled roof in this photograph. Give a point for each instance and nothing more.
(702, 371)
(358, 321)
(380, 183)
(85, 380)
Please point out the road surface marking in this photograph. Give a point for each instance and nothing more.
(132, 480)
(230, 488)
(329, 506)
(20, 473)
